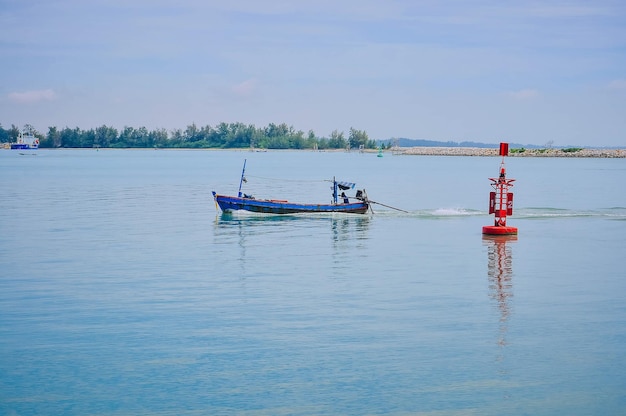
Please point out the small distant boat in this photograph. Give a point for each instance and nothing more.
(26, 139)
(340, 203)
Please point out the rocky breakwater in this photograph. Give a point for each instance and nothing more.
(478, 151)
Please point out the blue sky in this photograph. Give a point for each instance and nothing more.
(530, 72)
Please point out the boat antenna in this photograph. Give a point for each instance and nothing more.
(243, 178)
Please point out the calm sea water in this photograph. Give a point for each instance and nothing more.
(124, 292)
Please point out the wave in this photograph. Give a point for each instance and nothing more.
(614, 213)
(436, 213)
(453, 212)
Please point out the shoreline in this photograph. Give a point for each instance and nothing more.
(479, 151)
(414, 151)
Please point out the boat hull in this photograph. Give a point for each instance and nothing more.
(268, 206)
(23, 146)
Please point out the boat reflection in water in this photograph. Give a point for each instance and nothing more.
(500, 275)
(265, 236)
(350, 228)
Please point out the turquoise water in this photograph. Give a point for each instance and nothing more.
(124, 292)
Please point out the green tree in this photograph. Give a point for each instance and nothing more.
(14, 132)
(88, 138)
(311, 141)
(273, 130)
(296, 140)
(337, 140)
(192, 134)
(358, 138)
(70, 137)
(53, 138)
(105, 136)
(4, 135)
(176, 139)
(128, 138)
(238, 136)
(208, 136)
(159, 138)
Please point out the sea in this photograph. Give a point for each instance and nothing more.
(125, 291)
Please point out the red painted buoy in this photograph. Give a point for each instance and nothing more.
(499, 230)
(501, 200)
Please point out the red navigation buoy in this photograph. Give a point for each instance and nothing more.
(501, 200)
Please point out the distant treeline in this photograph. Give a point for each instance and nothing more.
(222, 136)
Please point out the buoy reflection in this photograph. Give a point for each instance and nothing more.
(500, 274)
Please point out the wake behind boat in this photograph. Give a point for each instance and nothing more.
(340, 203)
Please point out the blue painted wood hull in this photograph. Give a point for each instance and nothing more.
(267, 206)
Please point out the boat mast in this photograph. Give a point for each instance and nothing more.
(243, 171)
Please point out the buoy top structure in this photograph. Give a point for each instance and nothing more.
(501, 200)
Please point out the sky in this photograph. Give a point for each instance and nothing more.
(530, 72)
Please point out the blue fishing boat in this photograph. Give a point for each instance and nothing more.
(339, 204)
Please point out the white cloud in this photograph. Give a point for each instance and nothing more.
(618, 84)
(564, 10)
(245, 88)
(526, 94)
(35, 96)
